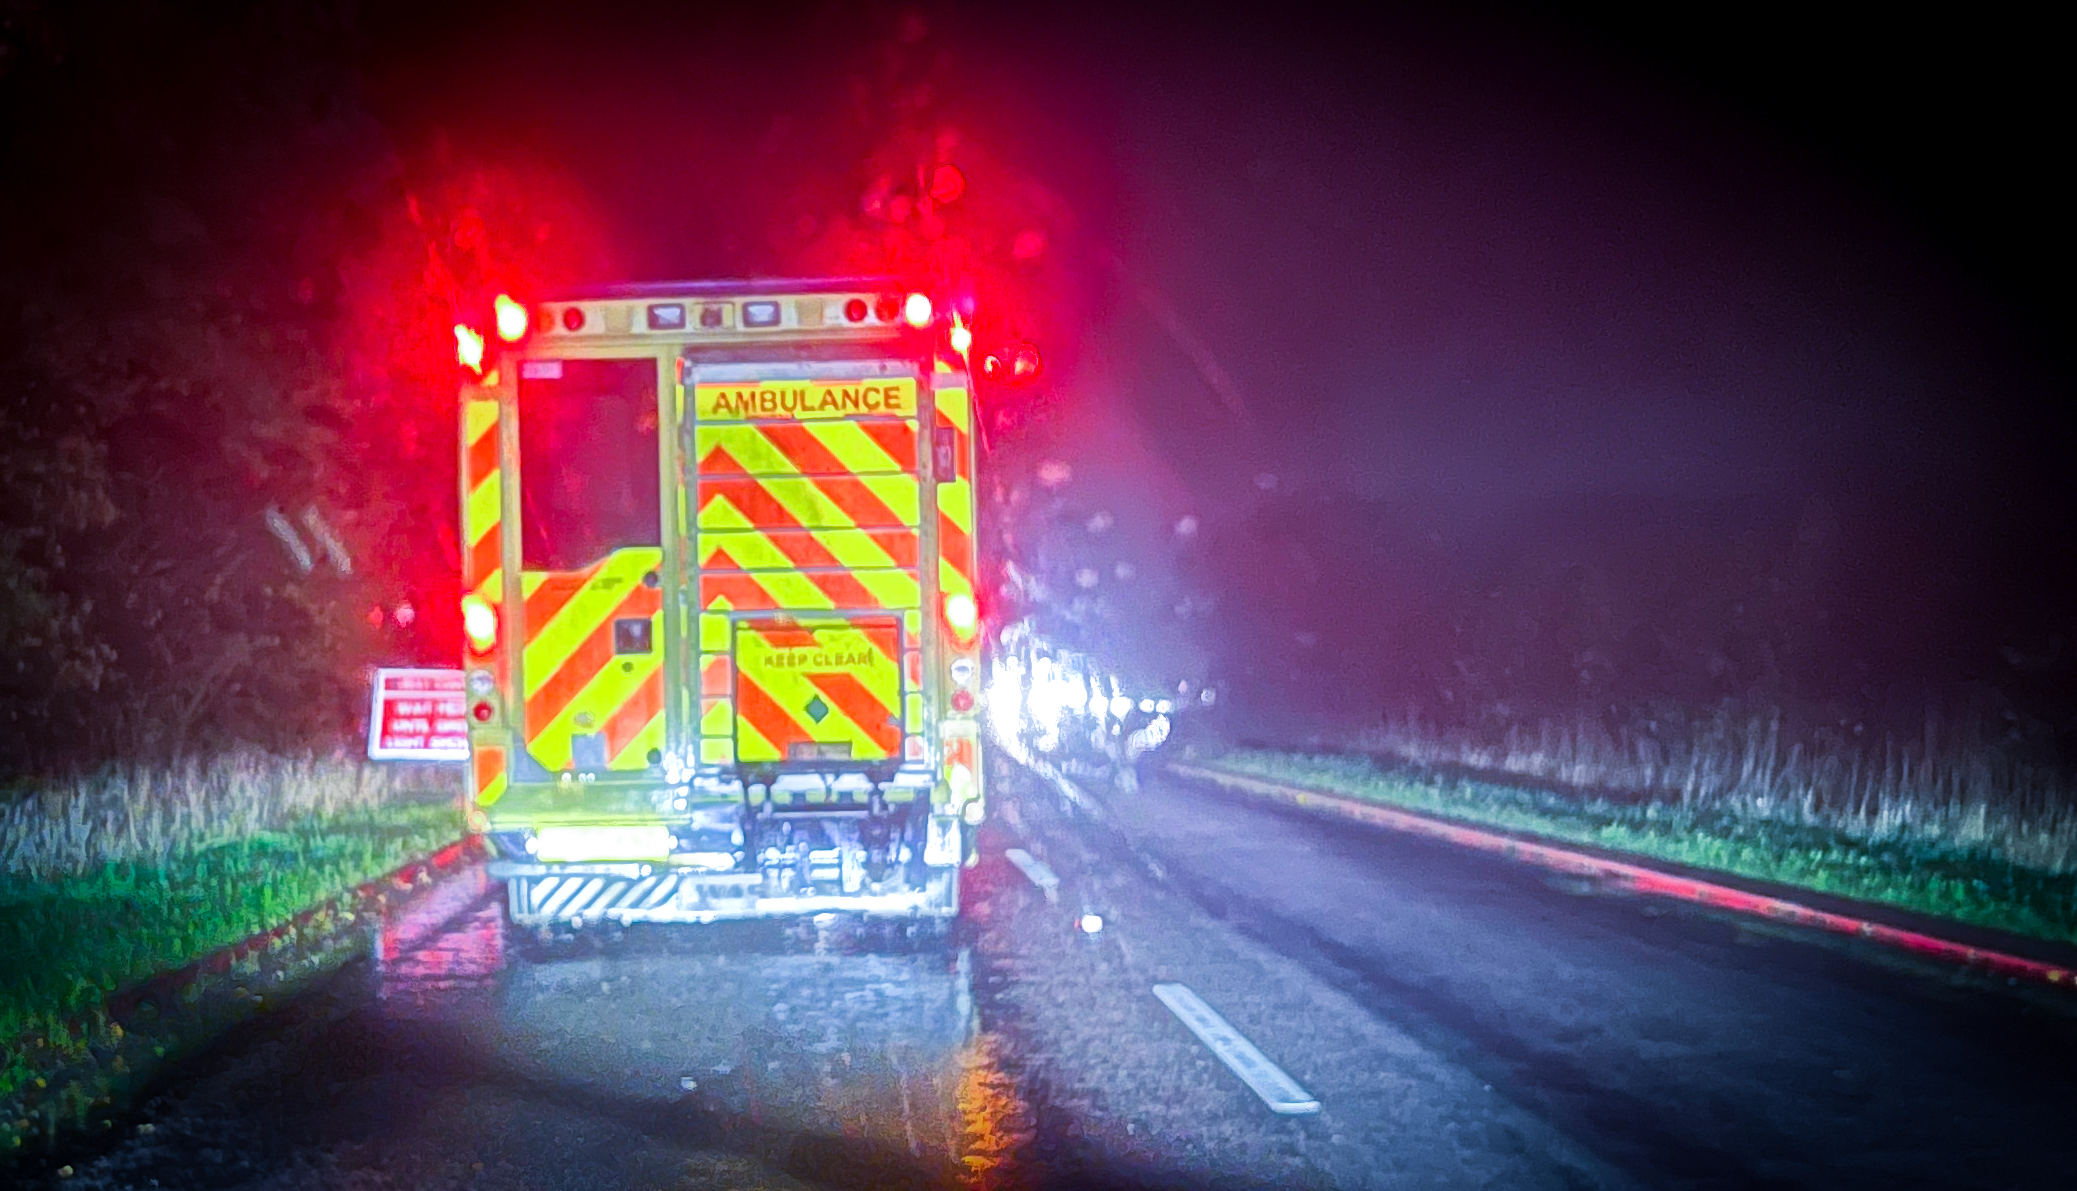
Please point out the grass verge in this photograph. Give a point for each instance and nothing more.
(1968, 882)
(108, 882)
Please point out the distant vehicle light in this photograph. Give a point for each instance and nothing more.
(468, 347)
(916, 310)
(1090, 924)
(511, 318)
(855, 310)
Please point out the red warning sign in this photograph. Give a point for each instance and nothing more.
(419, 715)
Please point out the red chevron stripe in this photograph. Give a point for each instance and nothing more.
(803, 448)
(954, 547)
(803, 550)
(765, 715)
(744, 593)
(484, 558)
(483, 456)
(718, 462)
(625, 724)
(898, 439)
(585, 662)
(843, 589)
(850, 697)
(900, 545)
(555, 591)
(714, 678)
(751, 499)
(857, 502)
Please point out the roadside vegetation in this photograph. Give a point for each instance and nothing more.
(1959, 835)
(108, 881)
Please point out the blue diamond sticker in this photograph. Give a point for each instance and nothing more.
(817, 710)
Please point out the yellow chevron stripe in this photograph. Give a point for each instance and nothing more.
(713, 634)
(753, 550)
(486, 506)
(891, 589)
(810, 507)
(951, 579)
(955, 406)
(550, 645)
(478, 419)
(792, 691)
(846, 441)
(956, 502)
(636, 754)
(604, 695)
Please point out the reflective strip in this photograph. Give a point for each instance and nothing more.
(955, 498)
(805, 516)
(482, 505)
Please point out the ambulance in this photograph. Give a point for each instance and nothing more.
(721, 635)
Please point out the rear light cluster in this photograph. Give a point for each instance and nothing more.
(479, 623)
(963, 618)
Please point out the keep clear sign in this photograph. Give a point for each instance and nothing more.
(419, 715)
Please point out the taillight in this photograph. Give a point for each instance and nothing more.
(854, 310)
(511, 318)
(483, 712)
(962, 701)
(479, 623)
(963, 617)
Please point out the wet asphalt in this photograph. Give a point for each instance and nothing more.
(1463, 1022)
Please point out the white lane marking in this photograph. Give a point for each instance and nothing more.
(1278, 1090)
(1037, 870)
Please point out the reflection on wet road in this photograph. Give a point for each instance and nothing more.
(1459, 1021)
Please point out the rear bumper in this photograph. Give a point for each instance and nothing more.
(545, 894)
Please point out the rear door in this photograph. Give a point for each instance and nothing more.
(591, 552)
(807, 535)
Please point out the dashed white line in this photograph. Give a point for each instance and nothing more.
(1037, 870)
(1278, 1090)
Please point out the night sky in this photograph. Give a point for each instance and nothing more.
(1499, 272)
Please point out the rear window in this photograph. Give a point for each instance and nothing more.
(587, 461)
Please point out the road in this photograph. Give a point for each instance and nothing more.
(1463, 1023)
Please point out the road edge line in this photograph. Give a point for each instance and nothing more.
(1636, 877)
